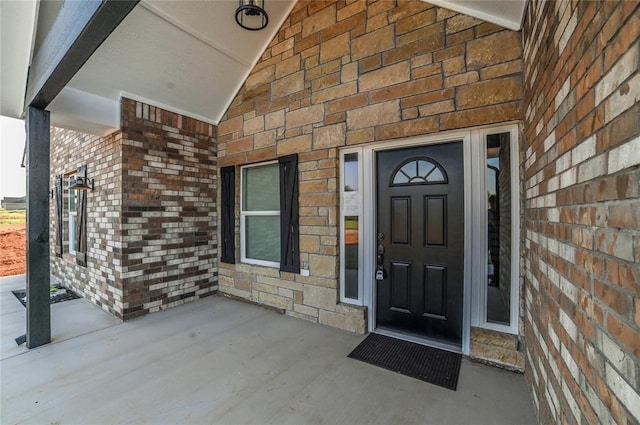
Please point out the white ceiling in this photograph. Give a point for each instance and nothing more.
(17, 27)
(186, 56)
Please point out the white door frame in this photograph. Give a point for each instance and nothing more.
(369, 222)
(474, 299)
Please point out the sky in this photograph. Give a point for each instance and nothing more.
(13, 178)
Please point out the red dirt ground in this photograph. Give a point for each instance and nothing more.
(13, 251)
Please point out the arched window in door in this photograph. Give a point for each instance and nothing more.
(418, 171)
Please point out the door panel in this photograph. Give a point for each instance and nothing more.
(400, 286)
(400, 220)
(435, 293)
(420, 216)
(435, 216)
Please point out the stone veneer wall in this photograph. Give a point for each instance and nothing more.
(151, 218)
(582, 211)
(345, 73)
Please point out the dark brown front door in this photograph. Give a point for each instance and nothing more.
(420, 213)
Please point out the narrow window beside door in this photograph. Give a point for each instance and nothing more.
(498, 210)
(351, 279)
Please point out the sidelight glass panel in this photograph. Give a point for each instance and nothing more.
(350, 228)
(498, 181)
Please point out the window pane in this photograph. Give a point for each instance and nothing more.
(72, 194)
(261, 188)
(350, 235)
(72, 232)
(351, 257)
(424, 168)
(418, 172)
(435, 176)
(351, 172)
(400, 178)
(498, 177)
(262, 238)
(410, 169)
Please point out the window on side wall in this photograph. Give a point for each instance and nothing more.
(260, 214)
(72, 214)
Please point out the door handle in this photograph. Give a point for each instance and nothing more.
(380, 274)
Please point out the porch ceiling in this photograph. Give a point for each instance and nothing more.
(190, 60)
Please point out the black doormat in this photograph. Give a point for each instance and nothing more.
(438, 367)
(57, 294)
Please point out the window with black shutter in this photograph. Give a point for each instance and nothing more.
(269, 234)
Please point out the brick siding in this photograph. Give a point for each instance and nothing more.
(100, 280)
(347, 73)
(151, 218)
(582, 151)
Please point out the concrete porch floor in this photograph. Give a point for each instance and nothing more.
(227, 362)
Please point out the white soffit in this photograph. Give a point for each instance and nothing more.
(17, 24)
(81, 111)
(189, 57)
(506, 13)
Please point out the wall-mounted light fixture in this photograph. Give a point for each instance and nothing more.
(82, 183)
(251, 15)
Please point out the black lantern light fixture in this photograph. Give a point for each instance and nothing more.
(82, 183)
(251, 15)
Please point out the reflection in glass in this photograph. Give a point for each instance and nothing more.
(418, 172)
(263, 238)
(435, 176)
(260, 189)
(498, 179)
(351, 230)
(72, 214)
(351, 257)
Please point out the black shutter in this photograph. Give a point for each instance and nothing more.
(228, 200)
(289, 232)
(57, 193)
(81, 230)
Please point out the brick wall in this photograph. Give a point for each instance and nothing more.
(582, 212)
(151, 218)
(100, 280)
(345, 73)
(168, 209)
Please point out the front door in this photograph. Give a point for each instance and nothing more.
(420, 241)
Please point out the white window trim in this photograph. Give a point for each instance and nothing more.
(480, 234)
(245, 214)
(474, 301)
